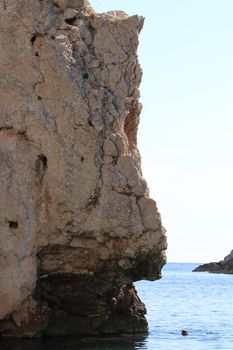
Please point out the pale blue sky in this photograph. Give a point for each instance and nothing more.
(186, 130)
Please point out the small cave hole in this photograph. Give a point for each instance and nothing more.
(36, 53)
(13, 224)
(85, 76)
(33, 39)
(90, 123)
(114, 159)
(44, 161)
(70, 20)
(82, 159)
(39, 97)
(41, 166)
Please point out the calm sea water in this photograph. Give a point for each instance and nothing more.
(202, 303)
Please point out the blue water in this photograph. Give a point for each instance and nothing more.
(202, 303)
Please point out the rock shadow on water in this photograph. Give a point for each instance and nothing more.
(125, 342)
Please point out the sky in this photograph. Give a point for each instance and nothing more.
(185, 135)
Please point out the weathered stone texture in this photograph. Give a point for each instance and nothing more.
(77, 225)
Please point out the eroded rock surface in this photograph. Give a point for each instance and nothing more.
(223, 266)
(77, 224)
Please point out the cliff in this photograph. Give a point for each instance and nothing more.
(77, 224)
(223, 266)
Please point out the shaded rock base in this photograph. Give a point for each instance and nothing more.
(66, 305)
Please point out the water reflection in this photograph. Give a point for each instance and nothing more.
(126, 342)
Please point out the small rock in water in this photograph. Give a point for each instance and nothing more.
(184, 332)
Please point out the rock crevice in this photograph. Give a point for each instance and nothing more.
(77, 224)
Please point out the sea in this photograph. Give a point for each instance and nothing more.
(198, 302)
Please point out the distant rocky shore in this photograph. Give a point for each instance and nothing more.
(223, 266)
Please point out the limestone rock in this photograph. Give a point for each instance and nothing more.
(223, 266)
(77, 225)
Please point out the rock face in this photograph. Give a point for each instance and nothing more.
(223, 266)
(77, 224)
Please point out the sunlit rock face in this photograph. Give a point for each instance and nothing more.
(77, 224)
